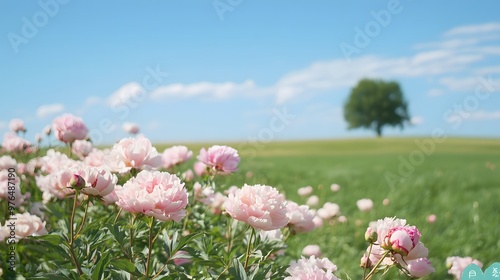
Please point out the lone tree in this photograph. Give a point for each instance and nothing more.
(374, 104)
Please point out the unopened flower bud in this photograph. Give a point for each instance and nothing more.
(371, 235)
(77, 182)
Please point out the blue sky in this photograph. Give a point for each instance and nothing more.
(236, 70)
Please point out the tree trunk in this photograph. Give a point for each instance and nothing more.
(378, 129)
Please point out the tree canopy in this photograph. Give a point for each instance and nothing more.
(374, 104)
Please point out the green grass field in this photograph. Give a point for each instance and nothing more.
(458, 180)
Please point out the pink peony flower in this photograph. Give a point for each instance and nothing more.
(420, 267)
(401, 239)
(431, 219)
(175, 155)
(200, 168)
(311, 268)
(187, 175)
(153, 193)
(342, 219)
(305, 191)
(313, 200)
(13, 143)
(111, 198)
(365, 205)
(217, 204)
(98, 182)
(97, 158)
(68, 128)
(181, 257)
(385, 202)
(312, 250)
(262, 207)
(7, 162)
(456, 265)
(223, 159)
(328, 211)
(81, 148)
(10, 188)
(202, 194)
(301, 218)
(137, 153)
(334, 187)
(27, 225)
(17, 125)
(130, 127)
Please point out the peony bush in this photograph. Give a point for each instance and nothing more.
(129, 213)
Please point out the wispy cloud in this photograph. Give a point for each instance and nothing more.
(416, 120)
(215, 90)
(474, 29)
(126, 93)
(50, 109)
(485, 115)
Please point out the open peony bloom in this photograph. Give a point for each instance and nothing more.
(301, 217)
(137, 153)
(262, 207)
(98, 182)
(420, 267)
(68, 128)
(153, 193)
(311, 268)
(224, 159)
(17, 125)
(131, 128)
(401, 239)
(82, 148)
(365, 205)
(13, 143)
(312, 250)
(27, 225)
(456, 265)
(175, 155)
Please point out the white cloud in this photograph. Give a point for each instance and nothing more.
(474, 29)
(215, 90)
(435, 92)
(460, 84)
(50, 109)
(131, 92)
(485, 115)
(416, 120)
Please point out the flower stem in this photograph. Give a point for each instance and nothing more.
(72, 236)
(248, 247)
(369, 276)
(367, 260)
(83, 219)
(150, 245)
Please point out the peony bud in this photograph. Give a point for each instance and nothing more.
(401, 239)
(371, 235)
(77, 182)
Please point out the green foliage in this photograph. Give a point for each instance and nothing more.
(374, 104)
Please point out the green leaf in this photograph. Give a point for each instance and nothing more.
(100, 266)
(237, 270)
(123, 264)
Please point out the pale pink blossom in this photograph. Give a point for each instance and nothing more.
(342, 219)
(131, 128)
(311, 268)
(98, 182)
(187, 175)
(401, 239)
(97, 158)
(13, 143)
(456, 265)
(68, 128)
(203, 194)
(134, 153)
(431, 219)
(181, 257)
(260, 206)
(17, 125)
(313, 200)
(27, 225)
(223, 159)
(200, 168)
(305, 191)
(58, 182)
(385, 202)
(7, 162)
(47, 130)
(53, 161)
(81, 148)
(153, 193)
(328, 211)
(301, 218)
(312, 250)
(217, 204)
(111, 198)
(318, 222)
(335, 187)
(10, 188)
(271, 235)
(365, 205)
(175, 155)
(420, 267)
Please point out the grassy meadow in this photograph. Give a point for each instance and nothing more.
(458, 180)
